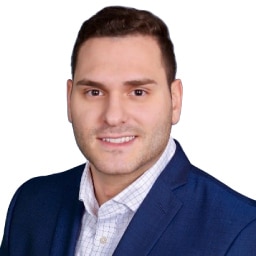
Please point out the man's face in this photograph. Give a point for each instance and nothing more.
(120, 104)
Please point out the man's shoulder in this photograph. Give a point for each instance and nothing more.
(60, 177)
(206, 188)
(54, 184)
(219, 193)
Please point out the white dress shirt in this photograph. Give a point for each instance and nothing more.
(103, 227)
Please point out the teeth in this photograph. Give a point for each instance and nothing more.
(119, 140)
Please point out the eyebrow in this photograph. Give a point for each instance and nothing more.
(135, 82)
(89, 83)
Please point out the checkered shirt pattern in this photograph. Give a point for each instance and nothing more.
(103, 227)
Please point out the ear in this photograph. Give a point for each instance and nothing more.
(69, 92)
(176, 93)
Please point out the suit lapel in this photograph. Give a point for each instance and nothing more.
(157, 210)
(67, 230)
(69, 218)
(149, 222)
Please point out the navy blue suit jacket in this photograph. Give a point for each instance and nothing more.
(187, 212)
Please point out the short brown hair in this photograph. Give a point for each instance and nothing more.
(121, 21)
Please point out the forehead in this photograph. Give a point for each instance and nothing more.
(124, 41)
(126, 53)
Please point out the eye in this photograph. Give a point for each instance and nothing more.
(138, 92)
(94, 92)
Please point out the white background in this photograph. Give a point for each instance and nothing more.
(215, 44)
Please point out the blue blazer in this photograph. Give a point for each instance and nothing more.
(186, 213)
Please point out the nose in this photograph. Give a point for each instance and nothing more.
(115, 113)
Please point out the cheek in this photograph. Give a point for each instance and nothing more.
(157, 112)
(151, 120)
(83, 115)
(80, 109)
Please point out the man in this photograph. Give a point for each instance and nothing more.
(138, 194)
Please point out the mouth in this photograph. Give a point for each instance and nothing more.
(119, 140)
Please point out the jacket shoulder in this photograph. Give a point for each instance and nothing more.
(35, 210)
(47, 193)
(212, 185)
(56, 181)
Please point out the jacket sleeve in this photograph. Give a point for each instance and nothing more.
(245, 242)
(4, 249)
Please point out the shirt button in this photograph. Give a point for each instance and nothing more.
(103, 240)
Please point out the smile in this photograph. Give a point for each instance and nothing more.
(118, 140)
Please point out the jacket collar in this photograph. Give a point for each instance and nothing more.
(157, 210)
(69, 218)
